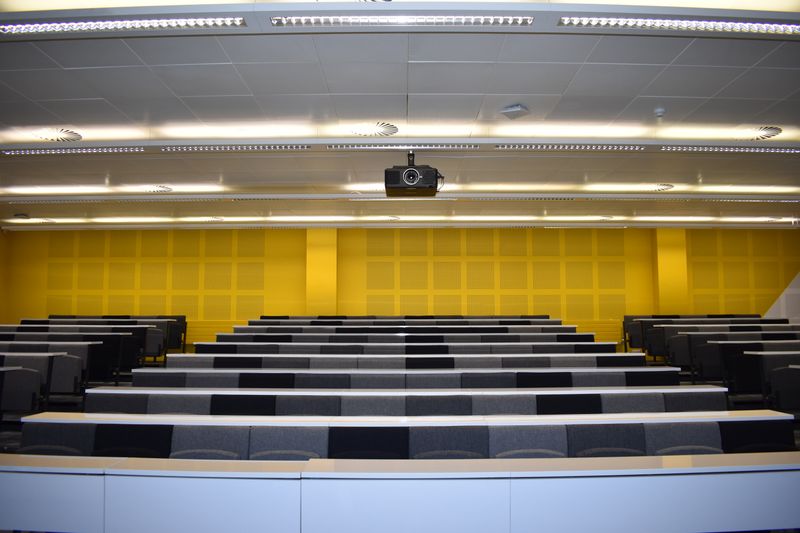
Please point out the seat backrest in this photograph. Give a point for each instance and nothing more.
(116, 403)
(527, 441)
(606, 440)
(280, 443)
(20, 390)
(504, 404)
(132, 440)
(449, 442)
(373, 406)
(57, 439)
(686, 438)
(210, 442)
(652, 402)
(190, 404)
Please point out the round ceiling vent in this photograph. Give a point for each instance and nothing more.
(767, 132)
(379, 129)
(58, 135)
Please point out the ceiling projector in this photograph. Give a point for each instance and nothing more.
(412, 180)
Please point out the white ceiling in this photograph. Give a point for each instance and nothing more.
(260, 75)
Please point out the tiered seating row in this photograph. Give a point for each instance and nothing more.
(405, 379)
(203, 437)
(298, 361)
(662, 335)
(407, 329)
(256, 347)
(632, 332)
(435, 402)
(406, 322)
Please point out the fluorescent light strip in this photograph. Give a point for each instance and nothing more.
(295, 21)
(358, 147)
(571, 147)
(123, 25)
(731, 149)
(237, 148)
(73, 151)
(333, 219)
(720, 26)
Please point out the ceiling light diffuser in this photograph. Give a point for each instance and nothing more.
(88, 26)
(717, 26)
(298, 21)
(56, 189)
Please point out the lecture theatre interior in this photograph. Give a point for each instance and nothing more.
(399, 266)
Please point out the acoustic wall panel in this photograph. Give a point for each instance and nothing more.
(61, 244)
(92, 244)
(154, 243)
(446, 242)
(219, 243)
(90, 276)
(153, 276)
(121, 276)
(188, 245)
(123, 243)
(739, 270)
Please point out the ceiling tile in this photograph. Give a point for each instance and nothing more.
(455, 78)
(610, 80)
(18, 56)
(764, 83)
(269, 48)
(26, 114)
(547, 48)
(691, 81)
(202, 80)
(369, 106)
(725, 52)
(9, 95)
(93, 111)
(787, 55)
(306, 107)
(728, 111)
(455, 47)
(386, 78)
(539, 105)
(213, 108)
(179, 50)
(80, 53)
(362, 48)
(641, 109)
(55, 84)
(461, 107)
(124, 82)
(154, 110)
(283, 78)
(589, 108)
(637, 50)
(782, 113)
(531, 78)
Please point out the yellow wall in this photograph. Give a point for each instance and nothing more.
(215, 277)
(588, 277)
(740, 271)
(4, 304)
(585, 276)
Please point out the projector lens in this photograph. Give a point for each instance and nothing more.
(411, 176)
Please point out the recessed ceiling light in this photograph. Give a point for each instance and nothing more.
(56, 189)
(57, 135)
(87, 26)
(378, 129)
(627, 187)
(720, 26)
(767, 132)
(298, 21)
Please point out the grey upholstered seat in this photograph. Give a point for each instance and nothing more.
(598, 379)
(210, 442)
(57, 439)
(19, 390)
(652, 402)
(696, 401)
(683, 439)
(179, 404)
(373, 406)
(504, 405)
(286, 405)
(378, 381)
(449, 442)
(212, 379)
(606, 440)
(116, 403)
(288, 443)
(527, 441)
(433, 381)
